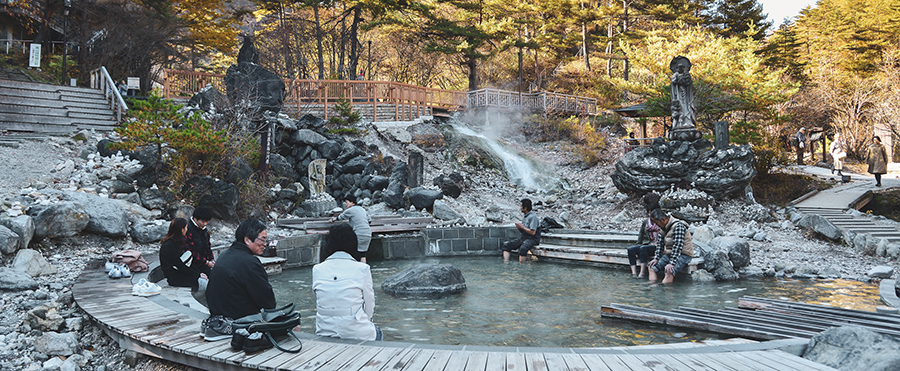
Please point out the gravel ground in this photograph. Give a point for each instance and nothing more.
(589, 202)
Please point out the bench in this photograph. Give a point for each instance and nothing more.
(379, 224)
(616, 256)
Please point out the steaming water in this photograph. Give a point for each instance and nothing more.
(544, 304)
(520, 170)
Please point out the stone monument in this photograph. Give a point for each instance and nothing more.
(317, 176)
(684, 115)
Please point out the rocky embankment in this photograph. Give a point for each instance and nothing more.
(83, 206)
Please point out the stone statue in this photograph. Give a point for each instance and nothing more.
(317, 176)
(684, 115)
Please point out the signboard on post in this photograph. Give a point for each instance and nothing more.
(34, 58)
(134, 83)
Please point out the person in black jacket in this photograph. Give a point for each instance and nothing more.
(197, 239)
(176, 260)
(239, 285)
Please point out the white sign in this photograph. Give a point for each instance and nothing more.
(34, 59)
(134, 82)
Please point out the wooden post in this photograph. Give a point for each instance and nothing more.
(721, 132)
(324, 87)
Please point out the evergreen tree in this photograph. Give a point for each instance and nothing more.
(783, 50)
(737, 17)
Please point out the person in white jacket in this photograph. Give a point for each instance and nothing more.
(345, 298)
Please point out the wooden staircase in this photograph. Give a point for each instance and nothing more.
(33, 107)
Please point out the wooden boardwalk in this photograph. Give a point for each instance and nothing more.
(602, 248)
(159, 327)
(761, 318)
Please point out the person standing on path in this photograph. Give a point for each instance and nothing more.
(359, 220)
(877, 159)
(799, 142)
(838, 153)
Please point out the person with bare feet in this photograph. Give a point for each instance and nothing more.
(674, 249)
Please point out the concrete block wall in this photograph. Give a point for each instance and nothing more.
(304, 250)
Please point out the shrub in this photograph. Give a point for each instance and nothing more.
(340, 123)
(586, 141)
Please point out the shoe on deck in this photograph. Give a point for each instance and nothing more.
(216, 328)
(145, 288)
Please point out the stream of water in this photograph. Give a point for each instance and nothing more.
(520, 170)
(544, 304)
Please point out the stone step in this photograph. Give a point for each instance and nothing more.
(615, 256)
(590, 240)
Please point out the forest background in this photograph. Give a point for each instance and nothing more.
(834, 67)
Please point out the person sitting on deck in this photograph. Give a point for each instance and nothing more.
(176, 262)
(197, 239)
(531, 234)
(345, 298)
(645, 246)
(359, 220)
(674, 249)
(239, 285)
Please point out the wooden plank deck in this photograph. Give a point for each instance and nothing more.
(761, 318)
(158, 327)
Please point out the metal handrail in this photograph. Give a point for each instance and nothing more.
(100, 79)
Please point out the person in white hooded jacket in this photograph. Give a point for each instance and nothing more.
(345, 298)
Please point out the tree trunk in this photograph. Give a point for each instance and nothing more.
(341, 48)
(354, 41)
(624, 30)
(521, 57)
(584, 43)
(321, 63)
(472, 64)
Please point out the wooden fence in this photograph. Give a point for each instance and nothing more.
(405, 101)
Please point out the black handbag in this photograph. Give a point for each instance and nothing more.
(274, 323)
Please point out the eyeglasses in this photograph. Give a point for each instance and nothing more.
(261, 239)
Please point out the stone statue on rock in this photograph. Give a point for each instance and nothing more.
(684, 115)
(252, 86)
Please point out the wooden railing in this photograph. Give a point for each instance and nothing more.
(406, 101)
(549, 102)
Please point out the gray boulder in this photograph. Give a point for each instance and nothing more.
(10, 280)
(45, 318)
(134, 212)
(422, 198)
(56, 344)
(156, 198)
(248, 84)
(23, 226)
(394, 196)
(354, 166)
(820, 225)
(494, 214)
(443, 211)
(308, 137)
(701, 275)
(117, 186)
(239, 171)
(854, 348)
(32, 263)
(881, 271)
(451, 185)
(9, 241)
(106, 217)
(719, 265)
(62, 219)
(282, 168)
(703, 234)
(426, 281)
(148, 232)
(330, 149)
(737, 248)
(377, 183)
(718, 172)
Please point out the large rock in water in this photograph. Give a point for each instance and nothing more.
(665, 164)
(426, 281)
(854, 348)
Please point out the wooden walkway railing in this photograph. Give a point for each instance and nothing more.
(400, 101)
(552, 103)
(397, 101)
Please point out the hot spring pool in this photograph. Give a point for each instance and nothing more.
(545, 304)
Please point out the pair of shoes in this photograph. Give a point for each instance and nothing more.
(216, 328)
(832, 171)
(249, 343)
(110, 266)
(145, 288)
(878, 184)
(119, 271)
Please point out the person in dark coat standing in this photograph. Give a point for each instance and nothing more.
(239, 285)
(799, 143)
(877, 159)
(197, 239)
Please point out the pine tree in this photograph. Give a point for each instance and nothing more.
(737, 17)
(783, 50)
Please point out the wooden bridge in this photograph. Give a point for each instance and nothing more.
(386, 100)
